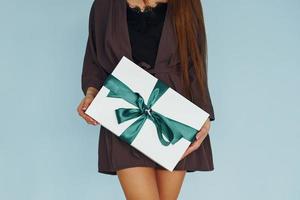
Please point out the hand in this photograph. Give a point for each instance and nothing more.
(200, 136)
(85, 102)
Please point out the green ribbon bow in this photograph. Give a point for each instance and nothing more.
(171, 129)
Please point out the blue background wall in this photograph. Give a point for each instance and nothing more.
(47, 152)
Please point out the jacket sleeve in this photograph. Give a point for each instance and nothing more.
(198, 97)
(93, 74)
(211, 108)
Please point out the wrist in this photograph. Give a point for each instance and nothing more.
(90, 95)
(91, 92)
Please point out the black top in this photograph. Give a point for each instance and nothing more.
(145, 29)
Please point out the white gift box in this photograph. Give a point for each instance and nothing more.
(171, 104)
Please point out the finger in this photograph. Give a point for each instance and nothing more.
(208, 121)
(203, 131)
(190, 148)
(80, 110)
(88, 121)
(194, 145)
(91, 120)
(186, 153)
(206, 125)
(202, 137)
(199, 134)
(86, 103)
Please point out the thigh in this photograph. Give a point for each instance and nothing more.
(169, 183)
(138, 183)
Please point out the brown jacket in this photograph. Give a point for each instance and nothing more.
(108, 41)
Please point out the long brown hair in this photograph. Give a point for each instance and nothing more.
(188, 21)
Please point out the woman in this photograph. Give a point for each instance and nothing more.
(166, 38)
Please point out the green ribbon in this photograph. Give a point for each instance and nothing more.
(171, 129)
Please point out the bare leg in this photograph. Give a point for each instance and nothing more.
(169, 183)
(138, 183)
